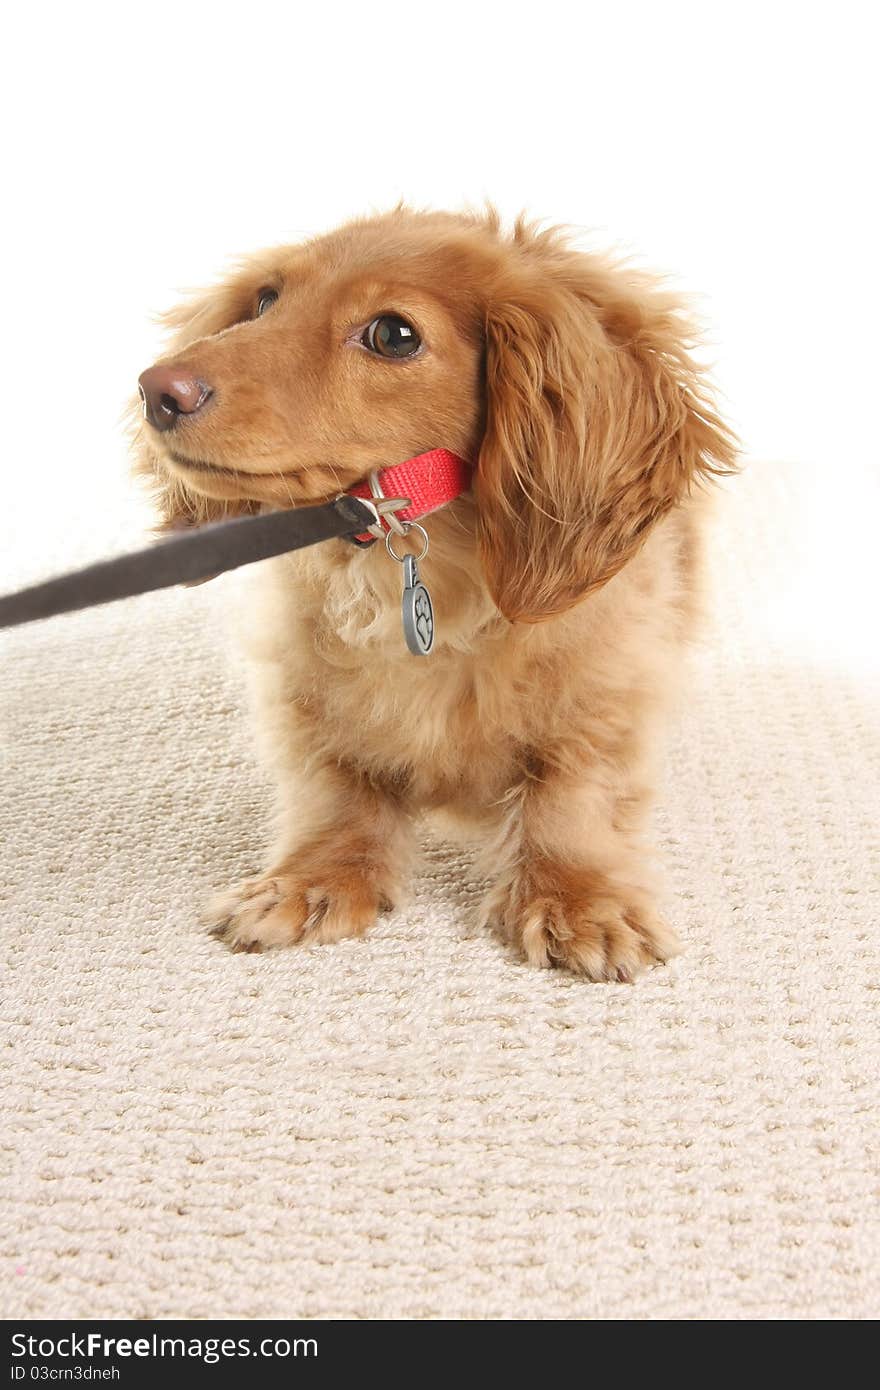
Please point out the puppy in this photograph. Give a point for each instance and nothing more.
(565, 578)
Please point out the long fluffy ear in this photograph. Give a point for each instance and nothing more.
(198, 316)
(597, 424)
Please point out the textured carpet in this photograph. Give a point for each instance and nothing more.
(417, 1125)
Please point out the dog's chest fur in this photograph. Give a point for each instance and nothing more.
(493, 703)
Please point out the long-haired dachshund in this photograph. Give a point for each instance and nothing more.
(564, 575)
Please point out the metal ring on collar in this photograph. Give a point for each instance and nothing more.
(410, 526)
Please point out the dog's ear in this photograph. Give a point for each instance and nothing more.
(597, 424)
(199, 316)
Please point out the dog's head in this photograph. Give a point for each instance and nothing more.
(565, 378)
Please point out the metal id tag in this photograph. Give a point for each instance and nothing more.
(417, 609)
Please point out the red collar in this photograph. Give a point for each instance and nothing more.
(428, 480)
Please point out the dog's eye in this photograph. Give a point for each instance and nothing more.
(391, 336)
(265, 301)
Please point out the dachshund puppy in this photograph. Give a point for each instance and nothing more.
(565, 578)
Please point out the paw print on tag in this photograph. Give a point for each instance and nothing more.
(424, 616)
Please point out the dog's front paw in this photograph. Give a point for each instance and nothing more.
(283, 908)
(582, 921)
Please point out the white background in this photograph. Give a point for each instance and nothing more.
(732, 145)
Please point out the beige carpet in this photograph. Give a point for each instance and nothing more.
(418, 1125)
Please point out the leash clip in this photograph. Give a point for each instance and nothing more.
(385, 508)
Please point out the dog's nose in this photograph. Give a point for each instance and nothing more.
(168, 393)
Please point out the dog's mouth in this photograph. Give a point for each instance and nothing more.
(223, 483)
(223, 471)
(312, 482)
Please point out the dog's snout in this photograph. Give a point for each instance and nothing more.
(168, 393)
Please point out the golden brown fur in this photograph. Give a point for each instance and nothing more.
(564, 585)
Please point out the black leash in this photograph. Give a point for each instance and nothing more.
(187, 557)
